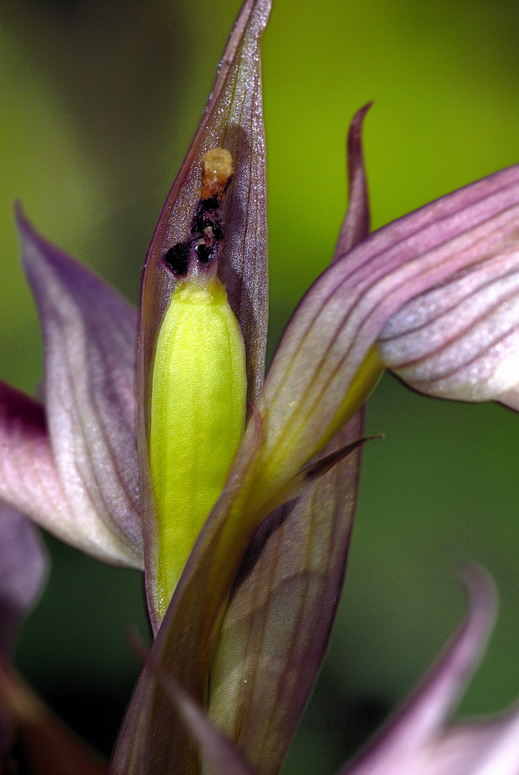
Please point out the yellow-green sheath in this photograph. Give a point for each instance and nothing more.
(197, 419)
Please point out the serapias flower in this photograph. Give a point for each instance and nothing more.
(247, 626)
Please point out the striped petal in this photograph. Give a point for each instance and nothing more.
(461, 339)
(327, 357)
(84, 449)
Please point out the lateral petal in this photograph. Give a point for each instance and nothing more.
(461, 339)
(89, 337)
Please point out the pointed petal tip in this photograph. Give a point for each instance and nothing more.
(421, 726)
(89, 356)
(356, 225)
(482, 592)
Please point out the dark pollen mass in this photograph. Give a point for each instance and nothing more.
(177, 258)
(204, 253)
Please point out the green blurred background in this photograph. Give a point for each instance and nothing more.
(99, 101)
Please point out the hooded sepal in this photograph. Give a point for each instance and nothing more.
(420, 737)
(89, 338)
(233, 120)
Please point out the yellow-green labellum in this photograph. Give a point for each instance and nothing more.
(197, 419)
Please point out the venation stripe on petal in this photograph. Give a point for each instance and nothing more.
(89, 335)
(460, 340)
(342, 314)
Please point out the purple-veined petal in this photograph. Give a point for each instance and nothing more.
(330, 339)
(419, 738)
(89, 338)
(461, 339)
(277, 624)
(23, 570)
(233, 119)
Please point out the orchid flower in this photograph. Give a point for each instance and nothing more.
(254, 586)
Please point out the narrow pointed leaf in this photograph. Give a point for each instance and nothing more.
(413, 741)
(276, 627)
(23, 569)
(89, 336)
(356, 225)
